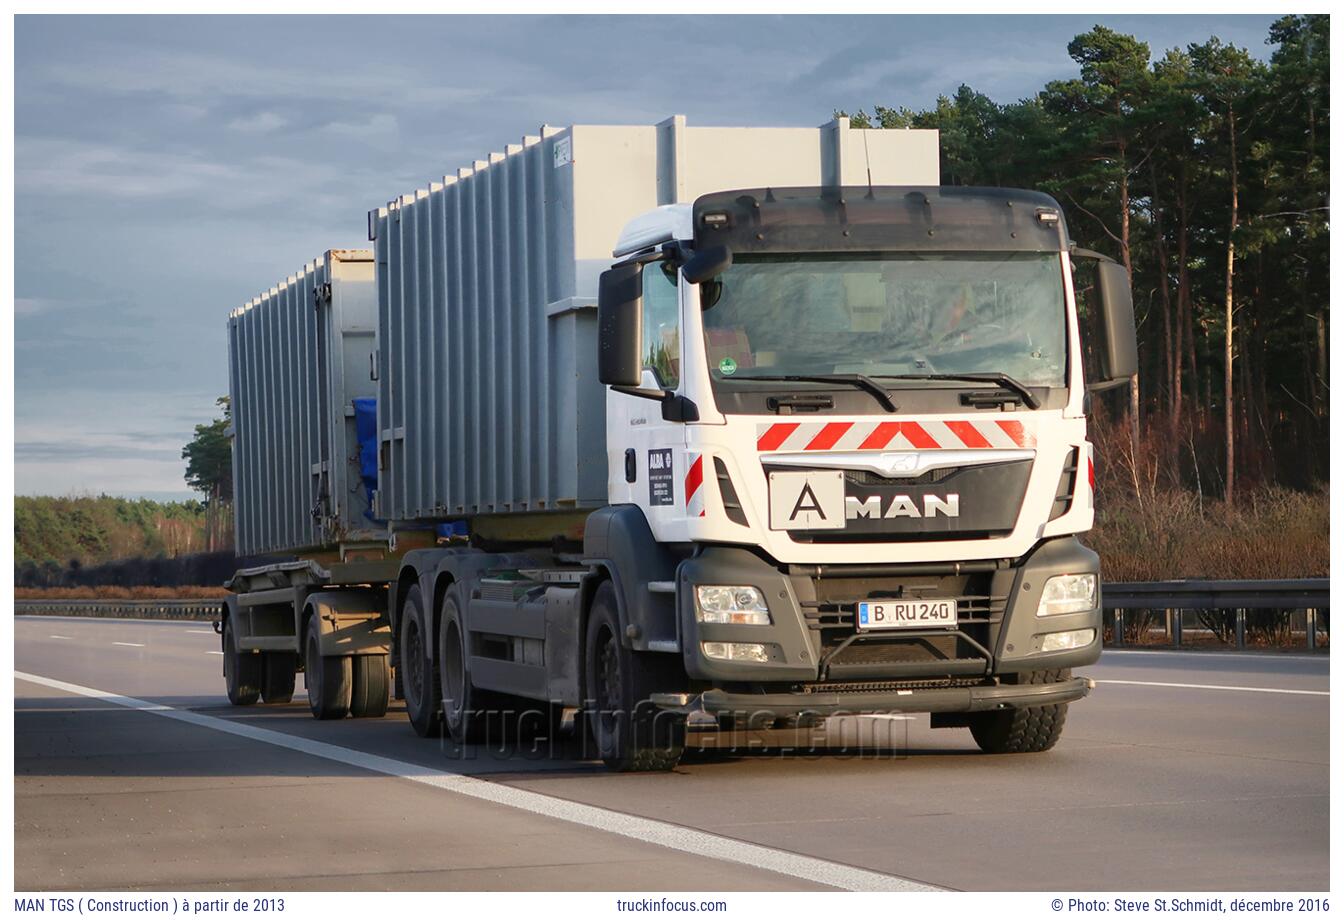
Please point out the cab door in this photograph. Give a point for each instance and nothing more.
(647, 455)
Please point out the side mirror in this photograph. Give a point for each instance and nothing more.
(1119, 345)
(705, 263)
(620, 292)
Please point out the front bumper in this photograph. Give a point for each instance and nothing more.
(1006, 637)
(949, 699)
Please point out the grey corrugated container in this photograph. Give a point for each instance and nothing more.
(488, 398)
(298, 355)
(487, 288)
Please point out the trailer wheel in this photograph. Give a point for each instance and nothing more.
(1022, 731)
(418, 681)
(327, 678)
(372, 680)
(277, 677)
(631, 733)
(242, 672)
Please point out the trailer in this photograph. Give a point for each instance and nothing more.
(665, 424)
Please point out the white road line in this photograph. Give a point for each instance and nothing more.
(131, 644)
(1250, 656)
(214, 652)
(201, 632)
(1155, 683)
(672, 836)
(54, 636)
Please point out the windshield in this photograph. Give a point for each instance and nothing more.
(888, 314)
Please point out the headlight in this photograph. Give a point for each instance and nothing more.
(1068, 594)
(736, 651)
(737, 604)
(1063, 641)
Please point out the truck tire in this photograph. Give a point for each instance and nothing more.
(1022, 731)
(466, 710)
(277, 677)
(327, 678)
(242, 670)
(419, 682)
(631, 733)
(371, 683)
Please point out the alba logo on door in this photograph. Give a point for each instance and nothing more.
(816, 500)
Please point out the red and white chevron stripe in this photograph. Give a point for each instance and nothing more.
(923, 435)
(695, 478)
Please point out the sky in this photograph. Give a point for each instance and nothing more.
(169, 168)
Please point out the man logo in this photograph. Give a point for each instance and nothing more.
(902, 506)
(898, 463)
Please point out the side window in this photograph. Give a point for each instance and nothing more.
(662, 332)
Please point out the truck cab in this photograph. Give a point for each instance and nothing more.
(858, 417)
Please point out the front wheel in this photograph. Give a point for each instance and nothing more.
(630, 731)
(1022, 731)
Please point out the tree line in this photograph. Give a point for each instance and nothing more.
(67, 540)
(1205, 172)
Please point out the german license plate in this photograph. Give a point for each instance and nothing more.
(909, 614)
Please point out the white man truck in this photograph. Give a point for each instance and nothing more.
(665, 423)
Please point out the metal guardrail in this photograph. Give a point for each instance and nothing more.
(1175, 598)
(207, 609)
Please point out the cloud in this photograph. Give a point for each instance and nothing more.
(260, 123)
(212, 184)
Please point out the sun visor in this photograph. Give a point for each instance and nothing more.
(880, 219)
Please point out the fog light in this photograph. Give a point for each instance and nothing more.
(1063, 641)
(736, 651)
(741, 605)
(1068, 594)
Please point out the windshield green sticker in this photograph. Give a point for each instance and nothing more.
(728, 367)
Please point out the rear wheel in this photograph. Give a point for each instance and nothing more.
(277, 678)
(370, 686)
(1022, 731)
(419, 682)
(327, 678)
(242, 670)
(631, 732)
(466, 710)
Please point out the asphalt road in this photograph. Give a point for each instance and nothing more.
(1181, 772)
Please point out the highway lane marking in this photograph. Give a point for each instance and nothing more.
(1245, 656)
(1155, 683)
(202, 632)
(647, 830)
(131, 644)
(214, 652)
(54, 636)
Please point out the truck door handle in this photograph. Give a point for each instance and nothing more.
(630, 472)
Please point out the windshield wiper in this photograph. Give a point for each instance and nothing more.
(860, 381)
(1003, 380)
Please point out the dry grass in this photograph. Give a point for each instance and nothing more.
(1157, 534)
(118, 593)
